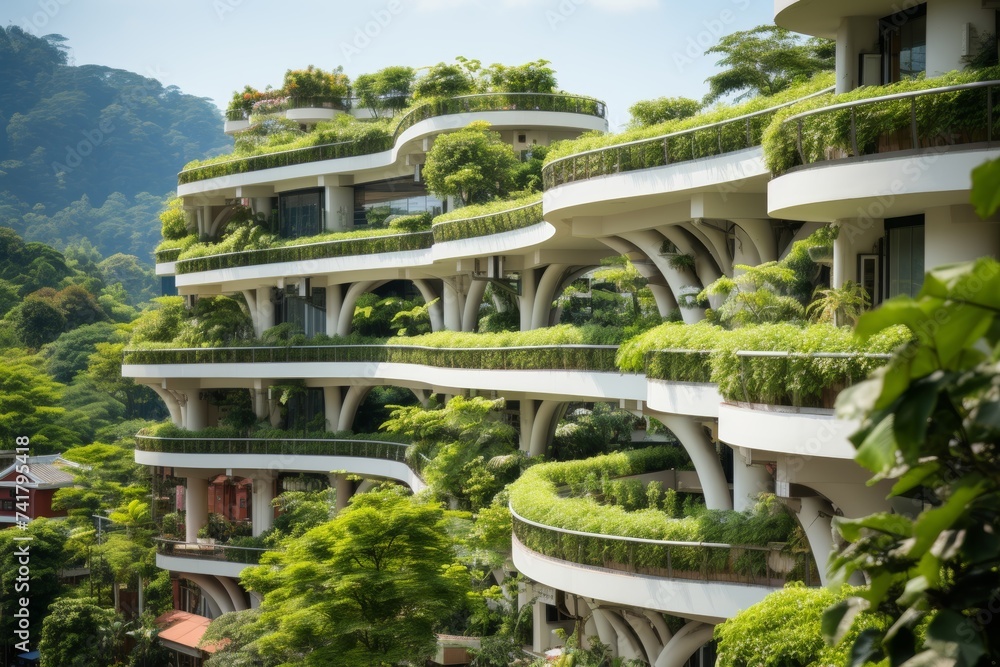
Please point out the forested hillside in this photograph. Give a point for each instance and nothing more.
(91, 152)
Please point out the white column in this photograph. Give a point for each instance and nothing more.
(679, 281)
(546, 419)
(526, 300)
(704, 457)
(856, 35)
(265, 311)
(749, 481)
(263, 511)
(344, 489)
(435, 310)
(452, 302)
(339, 204)
(195, 508)
(196, 417)
(332, 403)
(526, 415)
(605, 630)
(470, 317)
(173, 405)
(334, 304)
(349, 408)
(815, 515)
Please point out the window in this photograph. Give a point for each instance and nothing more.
(904, 44)
(375, 202)
(904, 255)
(300, 213)
(7, 505)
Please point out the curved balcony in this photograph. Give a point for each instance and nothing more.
(907, 151)
(699, 579)
(374, 458)
(353, 247)
(551, 102)
(705, 141)
(212, 559)
(488, 224)
(822, 19)
(169, 255)
(542, 357)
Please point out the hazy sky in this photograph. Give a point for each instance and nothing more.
(617, 50)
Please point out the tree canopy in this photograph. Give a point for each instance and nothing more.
(765, 60)
(368, 588)
(653, 112)
(474, 165)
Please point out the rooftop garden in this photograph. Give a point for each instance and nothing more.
(397, 98)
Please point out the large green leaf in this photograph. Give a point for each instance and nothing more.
(954, 636)
(986, 188)
(895, 525)
(910, 423)
(930, 524)
(877, 452)
(838, 619)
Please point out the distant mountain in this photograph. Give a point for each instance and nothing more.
(80, 142)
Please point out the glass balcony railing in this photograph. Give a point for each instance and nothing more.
(215, 552)
(370, 449)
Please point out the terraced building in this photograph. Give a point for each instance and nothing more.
(889, 167)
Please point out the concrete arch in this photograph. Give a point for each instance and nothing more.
(349, 408)
(682, 646)
(665, 301)
(644, 631)
(350, 300)
(649, 242)
(761, 234)
(714, 240)
(474, 299)
(216, 596)
(629, 646)
(705, 266)
(429, 295)
(236, 593)
(543, 427)
(605, 631)
(703, 455)
(545, 294)
(173, 405)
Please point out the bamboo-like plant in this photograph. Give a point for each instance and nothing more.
(839, 306)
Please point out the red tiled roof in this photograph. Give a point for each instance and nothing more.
(185, 629)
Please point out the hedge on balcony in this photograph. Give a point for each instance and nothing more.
(171, 249)
(737, 136)
(942, 118)
(346, 137)
(339, 244)
(535, 496)
(486, 219)
(793, 380)
(555, 348)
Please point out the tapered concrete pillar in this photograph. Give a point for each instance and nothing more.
(815, 516)
(349, 409)
(195, 508)
(263, 510)
(526, 416)
(332, 404)
(452, 303)
(706, 461)
(526, 300)
(344, 489)
(605, 631)
(545, 294)
(431, 296)
(173, 405)
(334, 304)
(681, 282)
(543, 428)
(473, 301)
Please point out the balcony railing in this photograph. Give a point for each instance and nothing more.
(217, 552)
(679, 365)
(371, 245)
(502, 102)
(599, 358)
(369, 449)
(922, 119)
(338, 103)
(378, 144)
(771, 566)
(491, 223)
(726, 136)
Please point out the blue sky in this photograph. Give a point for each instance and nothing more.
(618, 50)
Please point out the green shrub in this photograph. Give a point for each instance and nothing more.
(485, 219)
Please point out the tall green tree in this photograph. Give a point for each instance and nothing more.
(765, 60)
(368, 588)
(78, 632)
(47, 549)
(474, 165)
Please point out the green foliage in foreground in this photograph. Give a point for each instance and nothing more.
(784, 629)
(387, 575)
(930, 421)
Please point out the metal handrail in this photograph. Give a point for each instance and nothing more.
(251, 251)
(574, 346)
(496, 222)
(195, 550)
(911, 95)
(812, 355)
(485, 215)
(550, 168)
